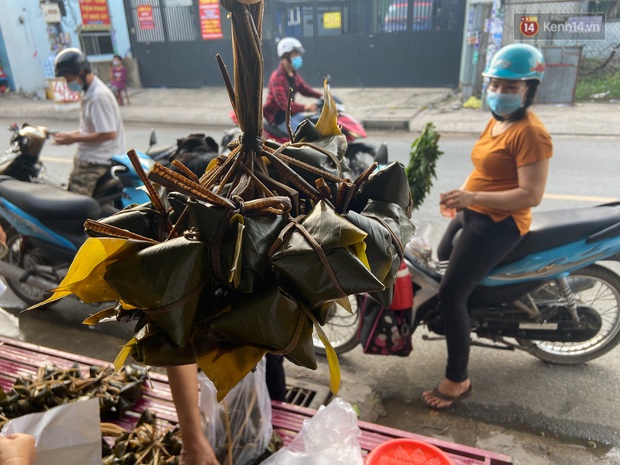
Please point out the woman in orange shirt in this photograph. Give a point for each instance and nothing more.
(511, 161)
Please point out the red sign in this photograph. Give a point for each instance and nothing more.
(529, 26)
(145, 17)
(95, 14)
(61, 92)
(210, 21)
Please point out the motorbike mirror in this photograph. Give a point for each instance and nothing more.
(381, 156)
(153, 138)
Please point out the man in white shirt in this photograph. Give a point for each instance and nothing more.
(101, 133)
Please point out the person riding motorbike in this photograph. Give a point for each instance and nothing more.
(286, 75)
(101, 133)
(511, 161)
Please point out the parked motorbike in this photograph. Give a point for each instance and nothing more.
(45, 228)
(45, 225)
(360, 155)
(552, 296)
(118, 187)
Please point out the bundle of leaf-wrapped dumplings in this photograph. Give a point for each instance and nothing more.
(248, 257)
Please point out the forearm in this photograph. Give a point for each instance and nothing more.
(513, 199)
(94, 138)
(183, 382)
(528, 193)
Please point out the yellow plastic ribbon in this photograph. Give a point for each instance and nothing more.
(85, 277)
(119, 361)
(235, 270)
(327, 125)
(332, 356)
(227, 366)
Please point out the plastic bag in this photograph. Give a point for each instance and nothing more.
(69, 434)
(244, 414)
(328, 438)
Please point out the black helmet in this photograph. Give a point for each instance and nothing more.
(70, 62)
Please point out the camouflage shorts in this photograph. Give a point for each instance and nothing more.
(84, 176)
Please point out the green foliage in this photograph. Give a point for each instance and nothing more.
(596, 79)
(422, 161)
(592, 85)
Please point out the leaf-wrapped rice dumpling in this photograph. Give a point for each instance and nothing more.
(171, 282)
(250, 320)
(324, 258)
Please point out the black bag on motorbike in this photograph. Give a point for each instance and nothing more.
(387, 331)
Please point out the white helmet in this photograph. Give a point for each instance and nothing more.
(288, 45)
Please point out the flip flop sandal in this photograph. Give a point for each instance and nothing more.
(445, 397)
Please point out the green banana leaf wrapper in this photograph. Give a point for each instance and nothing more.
(383, 255)
(388, 215)
(389, 184)
(250, 320)
(171, 282)
(300, 266)
(178, 204)
(143, 219)
(326, 153)
(153, 347)
(238, 244)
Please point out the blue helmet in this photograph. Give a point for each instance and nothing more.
(518, 62)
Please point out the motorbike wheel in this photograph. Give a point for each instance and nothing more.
(340, 328)
(597, 288)
(23, 254)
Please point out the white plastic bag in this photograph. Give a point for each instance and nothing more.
(244, 414)
(328, 438)
(69, 434)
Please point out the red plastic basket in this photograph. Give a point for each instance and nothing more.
(407, 452)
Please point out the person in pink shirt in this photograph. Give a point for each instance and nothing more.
(118, 78)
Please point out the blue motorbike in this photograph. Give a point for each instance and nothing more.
(556, 295)
(45, 227)
(45, 223)
(118, 187)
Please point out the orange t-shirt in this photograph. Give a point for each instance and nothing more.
(497, 158)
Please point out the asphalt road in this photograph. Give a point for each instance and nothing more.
(575, 403)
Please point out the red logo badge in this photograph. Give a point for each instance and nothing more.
(529, 26)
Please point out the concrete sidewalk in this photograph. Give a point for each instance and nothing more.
(379, 108)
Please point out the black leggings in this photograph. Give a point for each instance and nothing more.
(482, 245)
(276, 379)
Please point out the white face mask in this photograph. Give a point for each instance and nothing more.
(116, 63)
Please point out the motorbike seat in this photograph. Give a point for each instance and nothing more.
(47, 202)
(558, 227)
(161, 153)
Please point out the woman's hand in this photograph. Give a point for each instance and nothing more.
(457, 199)
(197, 450)
(17, 449)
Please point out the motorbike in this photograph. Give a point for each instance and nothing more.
(555, 296)
(118, 187)
(45, 228)
(360, 155)
(45, 225)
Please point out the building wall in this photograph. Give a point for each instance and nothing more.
(120, 35)
(26, 44)
(28, 47)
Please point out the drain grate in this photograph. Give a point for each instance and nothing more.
(306, 393)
